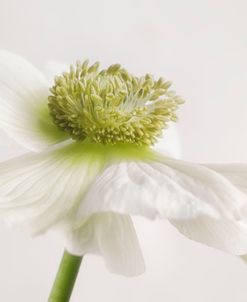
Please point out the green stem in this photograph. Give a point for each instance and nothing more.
(65, 279)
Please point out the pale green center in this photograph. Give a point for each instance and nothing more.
(111, 106)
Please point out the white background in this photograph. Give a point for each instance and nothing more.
(202, 47)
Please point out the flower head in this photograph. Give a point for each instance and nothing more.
(92, 164)
(111, 105)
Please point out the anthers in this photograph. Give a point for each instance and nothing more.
(111, 105)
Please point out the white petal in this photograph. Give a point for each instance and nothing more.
(169, 144)
(111, 236)
(235, 173)
(153, 190)
(224, 234)
(39, 190)
(213, 187)
(24, 112)
(228, 232)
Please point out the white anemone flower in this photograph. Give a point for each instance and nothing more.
(91, 164)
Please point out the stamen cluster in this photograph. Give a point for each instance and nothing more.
(111, 105)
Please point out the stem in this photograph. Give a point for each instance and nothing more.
(65, 279)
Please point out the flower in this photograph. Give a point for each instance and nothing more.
(91, 164)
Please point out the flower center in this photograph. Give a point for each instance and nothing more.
(111, 105)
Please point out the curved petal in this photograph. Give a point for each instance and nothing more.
(218, 189)
(236, 173)
(228, 232)
(224, 234)
(24, 112)
(39, 190)
(111, 236)
(204, 205)
(155, 189)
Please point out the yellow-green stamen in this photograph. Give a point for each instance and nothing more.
(111, 105)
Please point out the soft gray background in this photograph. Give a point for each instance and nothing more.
(201, 46)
